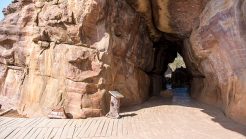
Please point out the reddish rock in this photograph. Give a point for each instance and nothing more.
(72, 53)
(216, 50)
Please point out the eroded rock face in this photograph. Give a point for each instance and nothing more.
(169, 16)
(70, 53)
(216, 51)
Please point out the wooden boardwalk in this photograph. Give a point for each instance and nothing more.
(179, 118)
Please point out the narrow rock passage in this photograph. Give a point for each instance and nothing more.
(176, 118)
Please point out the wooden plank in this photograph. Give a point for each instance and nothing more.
(60, 124)
(30, 133)
(53, 133)
(11, 136)
(90, 127)
(42, 133)
(18, 122)
(56, 123)
(84, 128)
(100, 127)
(9, 123)
(6, 132)
(28, 122)
(23, 132)
(43, 123)
(133, 125)
(48, 132)
(79, 129)
(139, 126)
(110, 128)
(1, 129)
(6, 122)
(120, 127)
(2, 118)
(64, 132)
(80, 122)
(94, 127)
(58, 133)
(70, 124)
(51, 122)
(126, 126)
(115, 127)
(105, 128)
(7, 118)
(70, 132)
(36, 133)
(35, 122)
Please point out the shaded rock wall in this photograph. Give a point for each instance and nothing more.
(165, 53)
(170, 16)
(214, 46)
(216, 55)
(70, 53)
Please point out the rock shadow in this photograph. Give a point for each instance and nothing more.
(181, 98)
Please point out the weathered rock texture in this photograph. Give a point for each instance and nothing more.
(216, 51)
(71, 52)
(170, 16)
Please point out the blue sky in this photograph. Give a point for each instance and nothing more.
(3, 4)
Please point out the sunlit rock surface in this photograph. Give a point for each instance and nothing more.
(70, 53)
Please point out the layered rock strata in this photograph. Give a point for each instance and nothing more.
(70, 53)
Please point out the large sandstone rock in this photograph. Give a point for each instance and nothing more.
(70, 53)
(216, 51)
(169, 16)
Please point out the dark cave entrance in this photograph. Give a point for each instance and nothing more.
(169, 70)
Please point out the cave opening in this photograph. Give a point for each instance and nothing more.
(170, 71)
(177, 75)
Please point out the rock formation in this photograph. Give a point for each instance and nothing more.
(213, 47)
(70, 53)
(216, 50)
